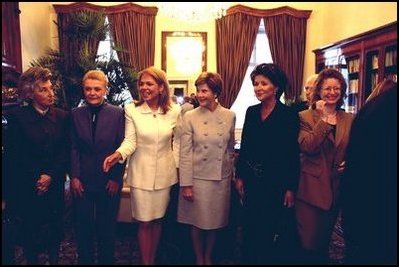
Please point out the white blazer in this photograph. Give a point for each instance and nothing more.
(148, 139)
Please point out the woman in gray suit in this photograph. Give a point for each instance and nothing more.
(206, 166)
(323, 137)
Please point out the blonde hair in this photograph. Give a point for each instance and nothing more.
(98, 75)
(159, 76)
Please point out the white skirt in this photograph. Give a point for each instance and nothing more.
(149, 205)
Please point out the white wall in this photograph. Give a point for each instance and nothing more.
(35, 30)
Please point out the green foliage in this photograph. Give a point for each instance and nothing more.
(84, 29)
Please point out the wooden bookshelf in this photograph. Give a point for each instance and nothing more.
(364, 60)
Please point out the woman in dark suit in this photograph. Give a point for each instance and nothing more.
(323, 137)
(268, 168)
(97, 130)
(36, 164)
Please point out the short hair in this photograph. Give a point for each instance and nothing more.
(274, 73)
(325, 74)
(159, 76)
(29, 80)
(213, 80)
(98, 75)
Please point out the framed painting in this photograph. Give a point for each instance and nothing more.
(184, 53)
(178, 87)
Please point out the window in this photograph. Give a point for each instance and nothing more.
(105, 53)
(246, 97)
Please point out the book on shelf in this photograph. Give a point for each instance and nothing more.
(353, 65)
(390, 58)
(353, 86)
(374, 62)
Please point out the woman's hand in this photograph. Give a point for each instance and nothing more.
(43, 184)
(188, 193)
(111, 160)
(77, 187)
(289, 199)
(239, 184)
(112, 187)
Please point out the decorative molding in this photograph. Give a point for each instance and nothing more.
(269, 12)
(107, 9)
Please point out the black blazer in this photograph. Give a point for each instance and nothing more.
(35, 145)
(89, 150)
(272, 143)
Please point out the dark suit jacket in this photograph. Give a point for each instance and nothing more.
(88, 153)
(369, 186)
(272, 143)
(35, 145)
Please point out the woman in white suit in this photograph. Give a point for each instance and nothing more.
(206, 166)
(150, 126)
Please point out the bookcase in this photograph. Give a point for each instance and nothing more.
(364, 60)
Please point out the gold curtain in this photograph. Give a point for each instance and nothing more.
(133, 28)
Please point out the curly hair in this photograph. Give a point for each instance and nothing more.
(329, 74)
(29, 80)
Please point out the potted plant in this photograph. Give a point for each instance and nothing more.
(84, 27)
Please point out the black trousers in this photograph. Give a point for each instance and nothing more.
(95, 220)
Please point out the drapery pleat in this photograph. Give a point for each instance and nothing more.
(235, 34)
(235, 38)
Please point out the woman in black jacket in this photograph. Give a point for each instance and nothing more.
(36, 163)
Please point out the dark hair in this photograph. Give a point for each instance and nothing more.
(212, 79)
(329, 74)
(274, 74)
(30, 78)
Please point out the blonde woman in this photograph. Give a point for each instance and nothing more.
(150, 126)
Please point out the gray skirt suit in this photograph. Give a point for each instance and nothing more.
(206, 163)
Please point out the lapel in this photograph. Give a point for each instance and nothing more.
(145, 109)
(316, 118)
(51, 115)
(33, 116)
(86, 120)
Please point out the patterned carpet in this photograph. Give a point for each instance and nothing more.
(127, 252)
(175, 246)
